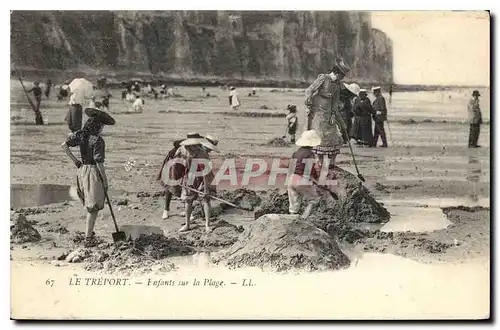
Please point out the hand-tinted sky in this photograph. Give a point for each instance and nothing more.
(438, 47)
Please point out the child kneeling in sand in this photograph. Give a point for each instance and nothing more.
(303, 182)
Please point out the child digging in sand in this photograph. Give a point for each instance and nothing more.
(303, 182)
(291, 122)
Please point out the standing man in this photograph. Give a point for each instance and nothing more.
(48, 85)
(37, 93)
(475, 119)
(379, 116)
(323, 107)
(390, 93)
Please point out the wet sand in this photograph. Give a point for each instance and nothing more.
(428, 166)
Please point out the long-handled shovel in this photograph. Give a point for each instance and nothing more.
(344, 130)
(390, 133)
(117, 235)
(217, 198)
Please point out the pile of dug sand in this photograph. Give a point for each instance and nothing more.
(222, 234)
(356, 204)
(134, 256)
(21, 231)
(284, 242)
(277, 142)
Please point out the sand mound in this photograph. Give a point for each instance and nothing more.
(21, 231)
(284, 242)
(278, 142)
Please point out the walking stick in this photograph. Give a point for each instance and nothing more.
(390, 133)
(216, 198)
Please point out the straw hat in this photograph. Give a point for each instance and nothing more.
(211, 143)
(362, 90)
(375, 88)
(341, 65)
(232, 88)
(353, 88)
(192, 139)
(100, 115)
(309, 139)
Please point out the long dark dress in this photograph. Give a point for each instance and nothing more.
(362, 126)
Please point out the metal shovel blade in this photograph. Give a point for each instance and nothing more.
(119, 236)
(135, 231)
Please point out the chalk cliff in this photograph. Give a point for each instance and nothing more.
(248, 45)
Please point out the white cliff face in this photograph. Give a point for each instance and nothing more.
(281, 46)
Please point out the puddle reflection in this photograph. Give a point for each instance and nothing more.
(25, 195)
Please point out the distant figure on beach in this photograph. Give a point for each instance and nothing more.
(137, 87)
(234, 102)
(254, 91)
(362, 126)
(63, 91)
(380, 115)
(138, 105)
(390, 93)
(48, 85)
(347, 96)
(292, 122)
(105, 101)
(101, 83)
(130, 97)
(37, 93)
(475, 119)
(170, 92)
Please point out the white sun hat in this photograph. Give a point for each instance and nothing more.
(353, 88)
(309, 139)
(192, 139)
(210, 142)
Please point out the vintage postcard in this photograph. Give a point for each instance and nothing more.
(175, 165)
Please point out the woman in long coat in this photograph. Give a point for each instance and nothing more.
(234, 101)
(362, 126)
(323, 111)
(92, 182)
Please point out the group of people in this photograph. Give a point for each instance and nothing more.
(359, 114)
(335, 112)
